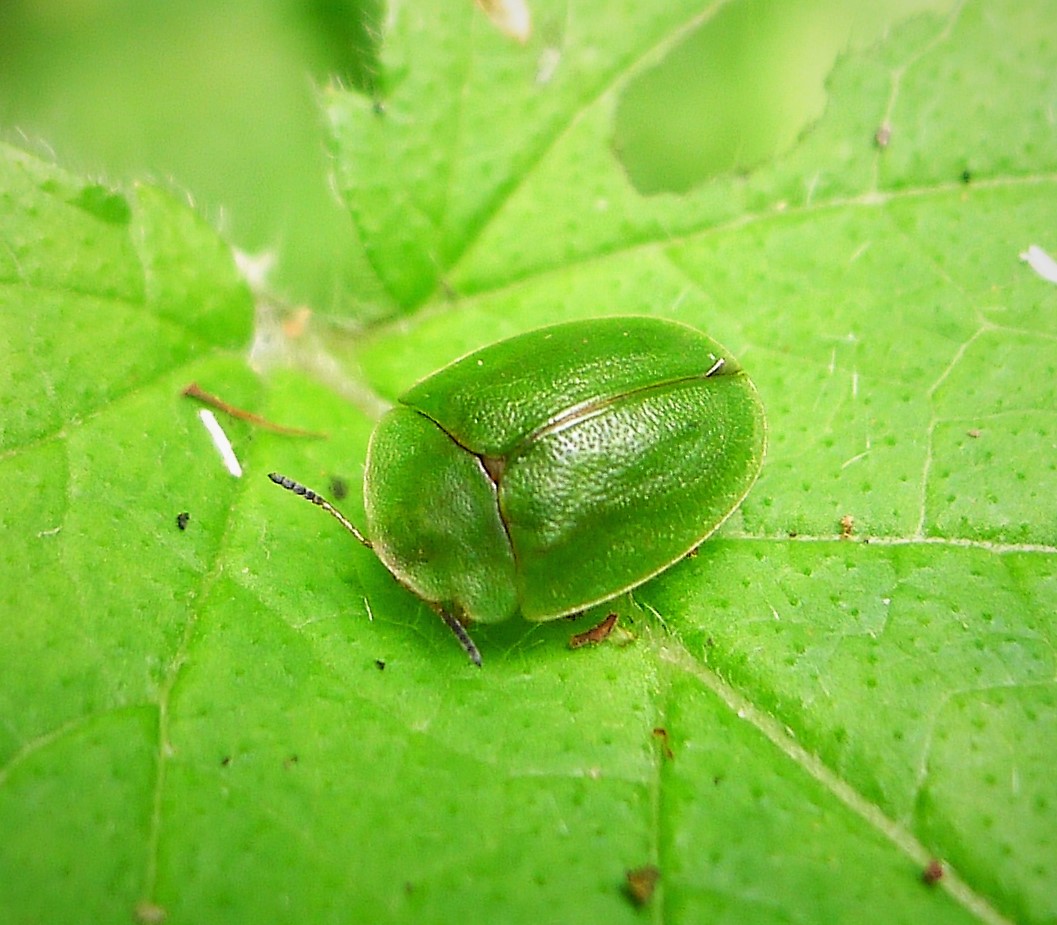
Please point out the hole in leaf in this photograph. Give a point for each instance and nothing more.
(741, 88)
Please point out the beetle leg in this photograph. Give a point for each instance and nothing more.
(460, 633)
(298, 489)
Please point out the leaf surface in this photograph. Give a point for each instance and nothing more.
(248, 720)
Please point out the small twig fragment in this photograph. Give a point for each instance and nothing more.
(595, 634)
(214, 401)
(661, 735)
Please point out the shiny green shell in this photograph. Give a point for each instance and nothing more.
(557, 469)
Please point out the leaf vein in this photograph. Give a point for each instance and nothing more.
(869, 812)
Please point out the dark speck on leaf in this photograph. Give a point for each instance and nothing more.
(933, 872)
(641, 882)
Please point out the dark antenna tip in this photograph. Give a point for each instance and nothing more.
(317, 499)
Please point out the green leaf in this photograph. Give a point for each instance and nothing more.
(249, 720)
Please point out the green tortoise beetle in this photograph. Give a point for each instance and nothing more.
(552, 471)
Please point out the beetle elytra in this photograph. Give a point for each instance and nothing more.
(555, 470)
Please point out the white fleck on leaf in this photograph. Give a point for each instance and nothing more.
(511, 17)
(1041, 262)
(221, 442)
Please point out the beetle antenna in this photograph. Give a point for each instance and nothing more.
(460, 633)
(298, 489)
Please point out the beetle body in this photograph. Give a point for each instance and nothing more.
(558, 469)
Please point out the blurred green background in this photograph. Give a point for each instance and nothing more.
(218, 100)
(216, 97)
